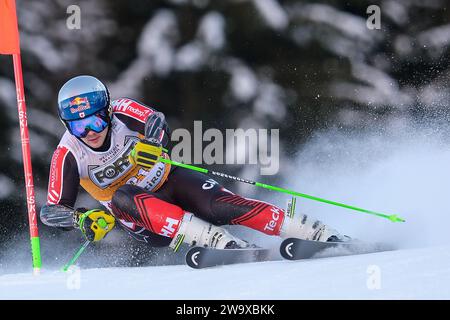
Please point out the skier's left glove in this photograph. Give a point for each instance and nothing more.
(94, 224)
(146, 153)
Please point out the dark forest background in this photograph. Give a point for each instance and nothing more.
(298, 66)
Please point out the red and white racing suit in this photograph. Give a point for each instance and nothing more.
(149, 203)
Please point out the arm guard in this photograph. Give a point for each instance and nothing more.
(57, 216)
(157, 128)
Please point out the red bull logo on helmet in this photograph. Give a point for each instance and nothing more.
(79, 104)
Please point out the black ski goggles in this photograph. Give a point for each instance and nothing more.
(96, 122)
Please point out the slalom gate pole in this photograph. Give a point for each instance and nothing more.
(10, 45)
(392, 217)
(26, 154)
(75, 257)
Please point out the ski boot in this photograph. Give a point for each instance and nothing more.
(306, 228)
(197, 232)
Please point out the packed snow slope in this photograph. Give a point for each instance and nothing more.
(405, 274)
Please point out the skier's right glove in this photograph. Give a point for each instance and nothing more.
(94, 224)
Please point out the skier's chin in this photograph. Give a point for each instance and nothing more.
(95, 140)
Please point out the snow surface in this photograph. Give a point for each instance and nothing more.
(405, 274)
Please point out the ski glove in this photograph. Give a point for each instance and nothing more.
(94, 224)
(156, 127)
(146, 153)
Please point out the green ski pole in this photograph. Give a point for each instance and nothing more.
(392, 217)
(75, 257)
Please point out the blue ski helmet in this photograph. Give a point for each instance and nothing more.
(81, 97)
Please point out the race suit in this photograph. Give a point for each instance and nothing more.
(141, 199)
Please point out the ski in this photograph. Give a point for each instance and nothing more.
(297, 249)
(290, 249)
(199, 257)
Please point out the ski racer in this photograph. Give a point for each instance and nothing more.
(111, 149)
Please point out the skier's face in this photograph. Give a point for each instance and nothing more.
(94, 139)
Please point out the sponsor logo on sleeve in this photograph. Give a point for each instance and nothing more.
(133, 109)
(56, 175)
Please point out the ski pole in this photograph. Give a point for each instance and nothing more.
(75, 257)
(392, 217)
